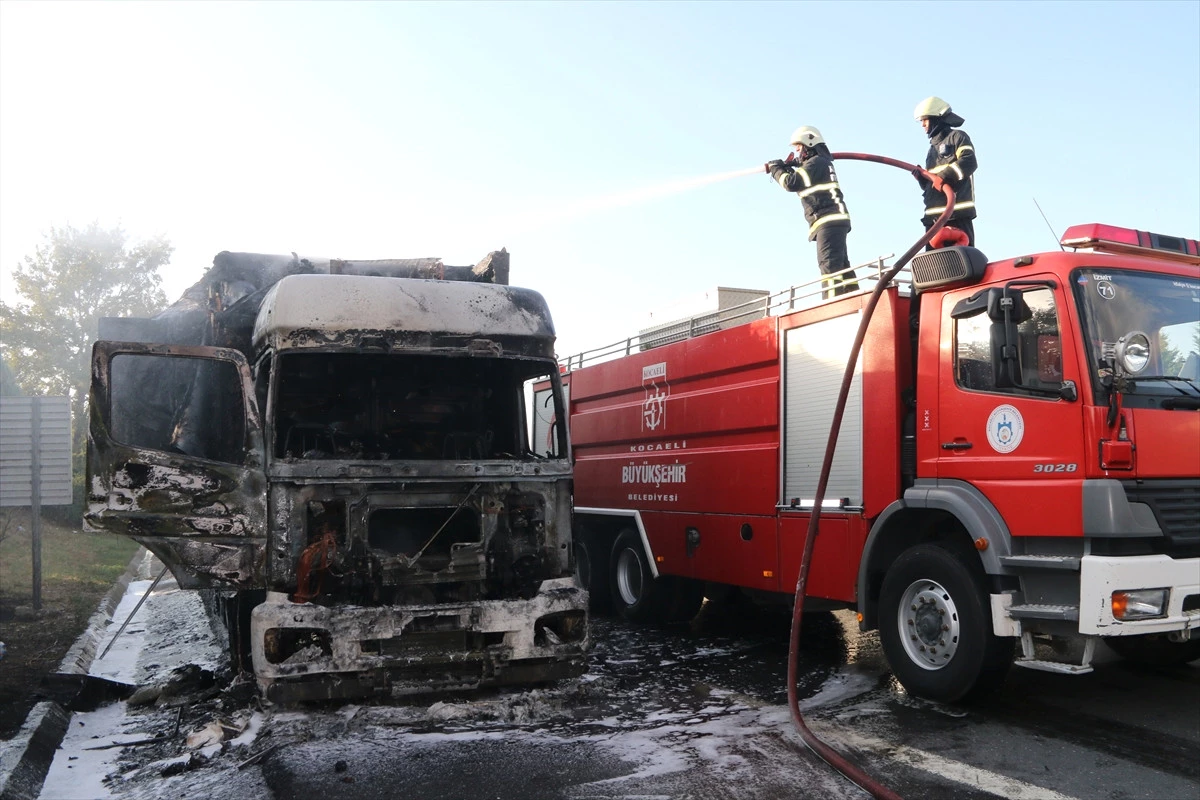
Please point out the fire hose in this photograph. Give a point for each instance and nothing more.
(826, 753)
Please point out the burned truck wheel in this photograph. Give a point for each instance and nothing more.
(636, 595)
(235, 608)
(591, 567)
(1155, 649)
(935, 626)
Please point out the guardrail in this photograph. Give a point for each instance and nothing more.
(800, 295)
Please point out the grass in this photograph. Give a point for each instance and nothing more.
(77, 570)
(67, 555)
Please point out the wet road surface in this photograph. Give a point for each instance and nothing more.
(695, 711)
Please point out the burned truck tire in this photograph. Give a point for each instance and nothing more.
(935, 626)
(591, 567)
(1155, 649)
(240, 645)
(636, 595)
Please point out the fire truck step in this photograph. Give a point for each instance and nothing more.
(1044, 611)
(1053, 666)
(1070, 563)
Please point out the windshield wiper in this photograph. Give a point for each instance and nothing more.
(1171, 380)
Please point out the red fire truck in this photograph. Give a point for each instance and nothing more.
(1019, 460)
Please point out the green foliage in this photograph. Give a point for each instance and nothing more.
(1177, 342)
(8, 381)
(72, 280)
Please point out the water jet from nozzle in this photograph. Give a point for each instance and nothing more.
(533, 219)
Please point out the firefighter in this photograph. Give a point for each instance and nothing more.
(951, 157)
(808, 172)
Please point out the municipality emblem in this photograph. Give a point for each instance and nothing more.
(1005, 428)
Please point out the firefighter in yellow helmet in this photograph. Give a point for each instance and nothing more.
(951, 157)
(808, 172)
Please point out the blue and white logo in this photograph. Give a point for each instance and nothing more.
(1005, 428)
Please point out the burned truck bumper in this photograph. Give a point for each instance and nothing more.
(303, 651)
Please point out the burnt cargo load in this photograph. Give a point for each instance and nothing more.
(339, 452)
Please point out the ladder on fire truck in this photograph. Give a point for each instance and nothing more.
(802, 295)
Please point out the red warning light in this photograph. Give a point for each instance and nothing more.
(1112, 239)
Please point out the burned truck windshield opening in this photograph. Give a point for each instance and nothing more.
(356, 406)
(1117, 303)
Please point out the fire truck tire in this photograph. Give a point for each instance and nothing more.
(636, 595)
(1155, 649)
(591, 567)
(935, 625)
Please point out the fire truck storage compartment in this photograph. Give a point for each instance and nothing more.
(814, 362)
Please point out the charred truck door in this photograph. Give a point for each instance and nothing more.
(175, 459)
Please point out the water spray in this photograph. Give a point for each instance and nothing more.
(533, 220)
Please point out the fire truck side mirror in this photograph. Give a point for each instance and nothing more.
(1007, 305)
(1006, 308)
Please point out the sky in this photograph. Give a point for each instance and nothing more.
(569, 132)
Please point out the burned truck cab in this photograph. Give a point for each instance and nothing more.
(402, 483)
(376, 479)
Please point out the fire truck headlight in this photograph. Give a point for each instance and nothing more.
(1133, 351)
(1139, 604)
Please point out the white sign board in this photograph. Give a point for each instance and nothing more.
(18, 439)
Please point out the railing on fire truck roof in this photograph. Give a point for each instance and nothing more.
(802, 295)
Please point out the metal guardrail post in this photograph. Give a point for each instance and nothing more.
(35, 499)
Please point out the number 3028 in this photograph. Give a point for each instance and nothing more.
(1055, 467)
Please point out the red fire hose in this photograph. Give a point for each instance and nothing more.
(822, 750)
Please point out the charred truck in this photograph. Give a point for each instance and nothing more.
(337, 452)
(1019, 463)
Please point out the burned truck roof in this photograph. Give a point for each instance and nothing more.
(320, 311)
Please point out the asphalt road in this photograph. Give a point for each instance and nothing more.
(690, 712)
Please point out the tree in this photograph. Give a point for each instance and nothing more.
(72, 280)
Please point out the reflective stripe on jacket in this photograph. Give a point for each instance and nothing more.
(815, 183)
(951, 157)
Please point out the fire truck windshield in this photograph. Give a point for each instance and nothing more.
(1117, 303)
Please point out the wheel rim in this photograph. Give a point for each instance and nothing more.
(629, 577)
(929, 624)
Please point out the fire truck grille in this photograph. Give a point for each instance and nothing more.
(1176, 506)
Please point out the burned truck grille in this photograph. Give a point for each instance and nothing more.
(424, 537)
(1176, 506)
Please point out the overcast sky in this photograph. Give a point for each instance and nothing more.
(450, 129)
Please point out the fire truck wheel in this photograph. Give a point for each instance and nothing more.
(1155, 649)
(591, 567)
(935, 625)
(636, 595)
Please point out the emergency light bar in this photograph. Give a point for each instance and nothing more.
(1111, 239)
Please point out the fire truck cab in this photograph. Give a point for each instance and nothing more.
(1019, 463)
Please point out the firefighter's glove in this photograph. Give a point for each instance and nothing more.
(919, 174)
(773, 165)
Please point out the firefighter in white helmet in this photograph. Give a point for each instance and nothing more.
(808, 171)
(951, 157)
